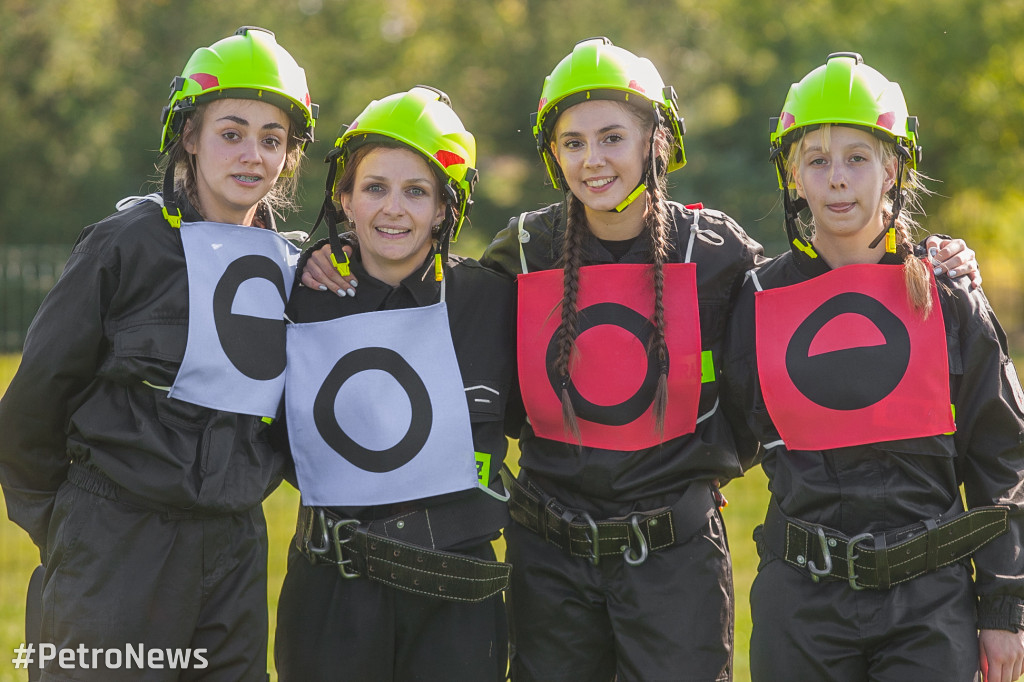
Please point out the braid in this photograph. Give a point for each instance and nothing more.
(657, 225)
(572, 247)
(915, 272)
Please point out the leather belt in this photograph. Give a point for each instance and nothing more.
(881, 560)
(631, 536)
(325, 537)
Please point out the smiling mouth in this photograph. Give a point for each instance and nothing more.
(391, 231)
(250, 179)
(599, 183)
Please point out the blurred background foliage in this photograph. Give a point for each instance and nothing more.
(83, 82)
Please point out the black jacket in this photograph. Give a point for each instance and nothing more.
(118, 317)
(888, 485)
(609, 481)
(481, 317)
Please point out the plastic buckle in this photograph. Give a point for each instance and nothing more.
(816, 572)
(595, 542)
(851, 546)
(628, 554)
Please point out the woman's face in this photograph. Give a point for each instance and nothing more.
(394, 205)
(240, 151)
(601, 147)
(844, 178)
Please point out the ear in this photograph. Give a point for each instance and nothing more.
(796, 182)
(346, 203)
(439, 214)
(188, 140)
(890, 169)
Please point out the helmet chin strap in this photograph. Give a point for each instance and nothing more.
(649, 172)
(889, 231)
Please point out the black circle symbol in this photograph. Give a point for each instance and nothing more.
(386, 360)
(254, 345)
(635, 406)
(850, 378)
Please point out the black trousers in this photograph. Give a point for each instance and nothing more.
(356, 630)
(122, 580)
(919, 631)
(670, 618)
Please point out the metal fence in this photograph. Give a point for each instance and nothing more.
(27, 273)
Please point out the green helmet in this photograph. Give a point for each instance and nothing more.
(422, 118)
(845, 91)
(247, 65)
(596, 69)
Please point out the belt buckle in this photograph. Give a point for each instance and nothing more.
(339, 543)
(851, 546)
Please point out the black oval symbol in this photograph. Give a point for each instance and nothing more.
(851, 378)
(635, 406)
(376, 461)
(254, 345)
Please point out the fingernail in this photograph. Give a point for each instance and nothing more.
(351, 292)
(953, 272)
(353, 282)
(342, 293)
(937, 270)
(932, 251)
(323, 287)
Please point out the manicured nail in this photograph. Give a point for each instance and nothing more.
(353, 282)
(953, 272)
(937, 270)
(932, 251)
(351, 292)
(342, 293)
(323, 287)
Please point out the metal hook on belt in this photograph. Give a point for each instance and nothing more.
(326, 546)
(851, 547)
(628, 554)
(595, 543)
(819, 572)
(338, 542)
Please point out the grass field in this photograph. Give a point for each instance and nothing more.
(747, 500)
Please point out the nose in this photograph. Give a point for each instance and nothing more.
(593, 156)
(250, 152)
(837, 177)
(393, 204)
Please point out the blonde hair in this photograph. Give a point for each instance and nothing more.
(916, 275)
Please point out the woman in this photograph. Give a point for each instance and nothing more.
(399, 443)
(844, 361)
(141, 485)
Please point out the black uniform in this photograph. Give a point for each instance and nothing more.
(672, 616)
(332, 628)
(925, 628)
(146, 510)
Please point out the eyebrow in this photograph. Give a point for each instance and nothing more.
(274, 125)
(606, 129)
(381, 178)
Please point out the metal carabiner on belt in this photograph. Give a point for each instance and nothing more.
(338, 542)
(628, 554)
(821, 572)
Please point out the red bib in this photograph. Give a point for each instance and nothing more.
(613, 378)
(843, 360)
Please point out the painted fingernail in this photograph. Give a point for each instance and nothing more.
(953, 272)
(351, 292)
(932, 251)
(353, 282)
(342, 293)
(323, 287)
(937, 270)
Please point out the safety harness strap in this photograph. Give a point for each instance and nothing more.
(881, 560)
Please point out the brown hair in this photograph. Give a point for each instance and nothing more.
(916, 276)
(656, 227)
(281, 197)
